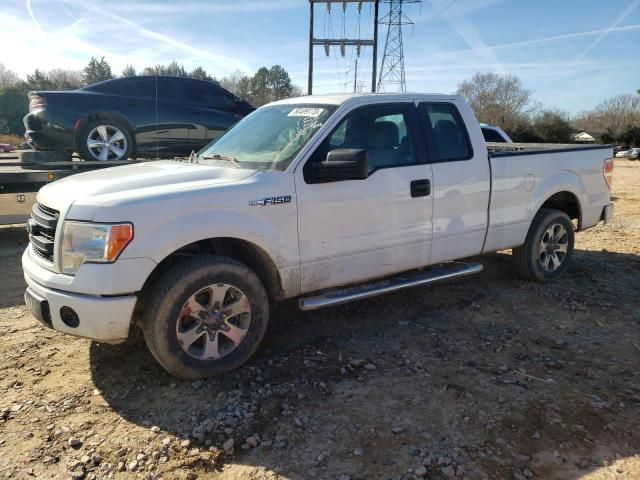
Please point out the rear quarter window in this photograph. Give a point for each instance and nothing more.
(109, 87)
(208, 94)
(447, 135)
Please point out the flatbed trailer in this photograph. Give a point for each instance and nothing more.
(20, 181)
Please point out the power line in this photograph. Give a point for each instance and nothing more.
(342, 42)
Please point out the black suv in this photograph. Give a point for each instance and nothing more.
(146, 116)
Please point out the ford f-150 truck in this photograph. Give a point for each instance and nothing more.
(326, 198)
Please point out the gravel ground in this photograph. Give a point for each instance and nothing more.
(487, 377)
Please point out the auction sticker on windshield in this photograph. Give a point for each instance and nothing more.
(306, 112)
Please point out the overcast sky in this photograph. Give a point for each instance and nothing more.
(571, 53)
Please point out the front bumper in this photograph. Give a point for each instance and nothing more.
(106, 319)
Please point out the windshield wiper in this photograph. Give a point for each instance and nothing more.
(231, 160)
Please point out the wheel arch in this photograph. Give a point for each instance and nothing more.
(243, 251)
(567, 202)
(82, 123)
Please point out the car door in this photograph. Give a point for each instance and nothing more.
(172, 137)
(361, 229)
(212, 110)
(159, 118)
(461, 181)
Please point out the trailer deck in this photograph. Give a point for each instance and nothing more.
(20, 181)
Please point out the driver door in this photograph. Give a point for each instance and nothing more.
(357, 230)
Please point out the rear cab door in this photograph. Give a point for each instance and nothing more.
(461, 178)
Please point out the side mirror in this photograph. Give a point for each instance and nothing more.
(342, 164)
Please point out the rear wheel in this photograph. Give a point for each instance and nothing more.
(206, 316)
(105, 140)
(548, 249)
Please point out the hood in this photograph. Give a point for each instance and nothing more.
(86, 192)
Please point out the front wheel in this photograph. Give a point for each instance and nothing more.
(548, 248)
(206, 316)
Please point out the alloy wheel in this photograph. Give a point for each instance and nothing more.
(106, 142)
(553, 247)
(213, 322)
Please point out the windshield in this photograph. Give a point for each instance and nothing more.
(269, 138)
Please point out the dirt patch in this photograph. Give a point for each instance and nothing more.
(488, 377)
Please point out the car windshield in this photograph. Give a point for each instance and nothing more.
(269, 138)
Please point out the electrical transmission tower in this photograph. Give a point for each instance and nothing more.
(343, 42)
(392, 69)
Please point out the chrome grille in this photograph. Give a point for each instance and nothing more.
(42, 230)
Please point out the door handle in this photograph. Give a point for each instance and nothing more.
(421, 188)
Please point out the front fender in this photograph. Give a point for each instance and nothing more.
(166, 221)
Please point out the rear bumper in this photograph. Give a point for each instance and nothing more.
(44, 133)
(607, 213)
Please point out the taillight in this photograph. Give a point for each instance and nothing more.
(608, 171)
(36, 102)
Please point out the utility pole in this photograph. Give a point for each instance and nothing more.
(358, 43)
(355, 77)
(392, 70)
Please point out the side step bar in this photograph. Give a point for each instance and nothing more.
(424, 277)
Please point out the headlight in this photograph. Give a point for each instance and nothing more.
(92, 243)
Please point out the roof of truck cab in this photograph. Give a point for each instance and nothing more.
(341, 98)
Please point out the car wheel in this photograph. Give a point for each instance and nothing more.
(548, 248)
(105, 140)
(206, 316)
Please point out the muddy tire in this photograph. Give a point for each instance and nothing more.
(205, 316)
(547, 251)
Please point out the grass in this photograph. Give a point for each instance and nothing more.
(14, 140)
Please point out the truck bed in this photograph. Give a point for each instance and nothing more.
(535, 148)
(523, 175)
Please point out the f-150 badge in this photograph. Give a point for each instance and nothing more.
(271, 200)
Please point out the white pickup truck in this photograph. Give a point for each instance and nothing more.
(327, 198)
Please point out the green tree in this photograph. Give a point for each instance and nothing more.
(129, 71)
(14, 105)
(631, 135)
(552, 126)
(524, 132)
(279, 83)
(38, 81)
(172, 69)
(607, 137)
(96, 71)
(201, 74)
(260, 88)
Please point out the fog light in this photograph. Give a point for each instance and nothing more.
(69, 317)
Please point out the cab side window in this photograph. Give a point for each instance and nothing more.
(379, 129)
(208, 95)
(446, 133)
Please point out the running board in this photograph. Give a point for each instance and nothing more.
(425, 277)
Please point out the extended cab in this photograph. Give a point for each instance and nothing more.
(327, 198)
